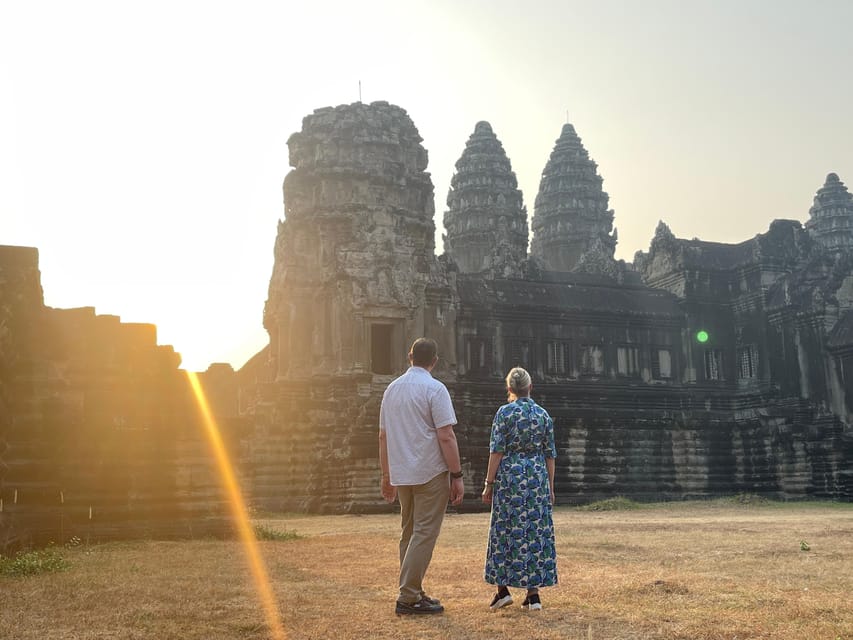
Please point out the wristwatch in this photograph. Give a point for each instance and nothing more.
(456, 474)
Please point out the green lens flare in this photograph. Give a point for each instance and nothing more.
(702, 336)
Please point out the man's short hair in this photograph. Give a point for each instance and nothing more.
(423, 352)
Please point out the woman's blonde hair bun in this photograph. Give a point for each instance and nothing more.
(518, 380)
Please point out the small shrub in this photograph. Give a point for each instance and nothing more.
(73, 542)
(611, 504)
(262, 532)
(804, 546)
(27, 563)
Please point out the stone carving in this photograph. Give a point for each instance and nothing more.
(357, 243)
(486, 220)
(831, 217)
(571, 222)
(355, 276)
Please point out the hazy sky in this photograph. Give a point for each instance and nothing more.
(143, 145)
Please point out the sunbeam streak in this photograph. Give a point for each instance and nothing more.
(239, 513)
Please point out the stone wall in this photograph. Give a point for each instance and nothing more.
(655, 445)
(652, 443)
(314, 447)
(20, 305)
(101, 434)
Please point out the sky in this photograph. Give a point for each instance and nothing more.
(143, 145)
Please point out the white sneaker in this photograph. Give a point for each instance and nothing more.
(532, 603)
(500, 601)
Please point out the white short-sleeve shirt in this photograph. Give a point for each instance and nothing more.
(413, 407)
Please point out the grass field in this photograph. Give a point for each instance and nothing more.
(700, 571)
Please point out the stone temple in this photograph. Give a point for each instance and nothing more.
(700, 369)
(643, 408)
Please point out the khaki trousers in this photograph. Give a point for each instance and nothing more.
(422, 508)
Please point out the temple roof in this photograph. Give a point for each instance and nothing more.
(785, 243)
(833, 193)
(718, 255)
(571, 215)
(831, 216)
(573, 292)
(486, 220)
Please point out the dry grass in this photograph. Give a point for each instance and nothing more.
(682, 571)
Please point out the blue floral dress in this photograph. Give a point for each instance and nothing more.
(521, 551)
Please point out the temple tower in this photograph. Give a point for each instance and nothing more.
(571, 222)
(486, 220)
(355, 280)
(831, 216)
(354, 253)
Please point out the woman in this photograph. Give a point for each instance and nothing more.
(520, 488)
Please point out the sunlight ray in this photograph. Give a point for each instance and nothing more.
(239, 513)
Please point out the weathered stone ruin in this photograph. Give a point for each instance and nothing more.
(486, 220)
(354, 275)
(99, 434)
(831, 217)
(571, 223)
(759, 402)
(701, 369)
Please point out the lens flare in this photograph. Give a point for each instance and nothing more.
(702, 336)
(239, 513)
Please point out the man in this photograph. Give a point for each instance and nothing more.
(417, 448)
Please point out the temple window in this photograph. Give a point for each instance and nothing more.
(713, 364)
(381, 342)
(627, 361)
(478, 355)
(557, 357)
(592, 360)
(747, 359)
(519, 354)
(661, 364)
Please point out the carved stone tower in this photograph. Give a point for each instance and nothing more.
(571, 222)
(831, 217)
(486, 220)
(354, 253)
